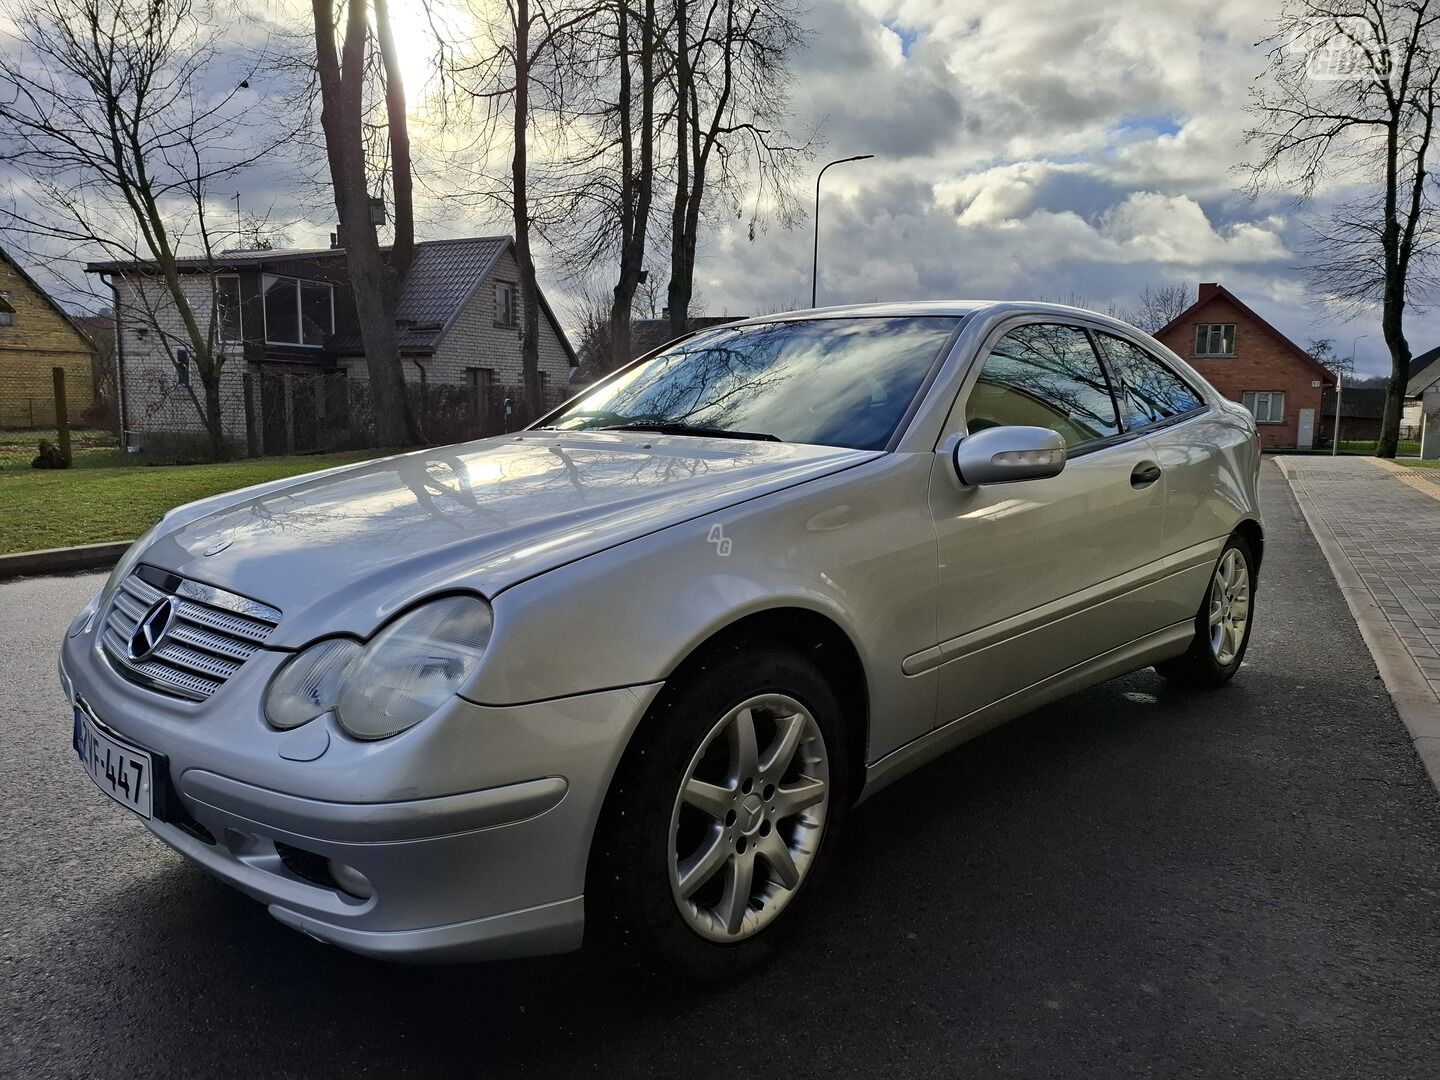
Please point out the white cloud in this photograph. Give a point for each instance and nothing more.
(1039, 148)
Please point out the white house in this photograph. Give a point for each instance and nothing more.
(294, 375)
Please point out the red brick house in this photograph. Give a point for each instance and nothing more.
(1251, 362)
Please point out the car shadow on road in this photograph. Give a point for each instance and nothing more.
(1094, 861)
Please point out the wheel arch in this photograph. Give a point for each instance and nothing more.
(1253, 533)
(822, 641)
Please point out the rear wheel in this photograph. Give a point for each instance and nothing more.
(1222, 626)
(719, 815)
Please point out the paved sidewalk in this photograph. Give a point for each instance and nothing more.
(1379, 526)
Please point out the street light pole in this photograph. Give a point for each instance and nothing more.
(815, 257)
(1340, 394)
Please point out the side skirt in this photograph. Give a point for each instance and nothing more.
(1142, 652)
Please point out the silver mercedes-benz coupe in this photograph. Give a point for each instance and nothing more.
(624, 673)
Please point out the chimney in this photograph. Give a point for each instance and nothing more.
(1207, 290)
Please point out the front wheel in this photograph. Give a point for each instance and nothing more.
(720, 812)
(1222, 626)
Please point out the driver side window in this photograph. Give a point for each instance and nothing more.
(1044, 375)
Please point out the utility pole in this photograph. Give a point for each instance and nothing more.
(815, 257)
(1339, 395)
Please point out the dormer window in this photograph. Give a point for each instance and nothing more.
(298, 312)
(1215, 339)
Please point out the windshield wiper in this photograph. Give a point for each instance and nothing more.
(675, 427)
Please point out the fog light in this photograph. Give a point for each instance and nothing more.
(350, 880)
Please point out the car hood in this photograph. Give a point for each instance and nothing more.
(341, 551)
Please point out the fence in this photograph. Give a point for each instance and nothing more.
(278, 409)
(296, 412)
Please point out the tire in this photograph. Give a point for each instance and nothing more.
(1218, 650)
(650, 891)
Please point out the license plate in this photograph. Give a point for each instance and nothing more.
(118, 769)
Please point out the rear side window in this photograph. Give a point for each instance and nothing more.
(1044, 375)
(1147, 390)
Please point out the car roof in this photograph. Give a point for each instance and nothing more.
(919, 308)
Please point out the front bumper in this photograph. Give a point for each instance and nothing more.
(472, 839)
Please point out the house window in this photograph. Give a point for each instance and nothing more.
(298, 312)
(1267, 406)
(505, 304)
(182, 367)
(1215, 339)
(7, 310)
(227, 309)
(482, 386)
(544, 387)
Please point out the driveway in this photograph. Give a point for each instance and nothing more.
(1129, 882)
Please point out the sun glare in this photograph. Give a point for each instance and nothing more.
(415, 45)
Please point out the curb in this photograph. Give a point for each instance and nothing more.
(1414, 701)
(66, 560)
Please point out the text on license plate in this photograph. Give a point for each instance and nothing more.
(121, 771)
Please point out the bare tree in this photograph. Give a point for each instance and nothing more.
(1322, 351)
(1158, 306)
(126, 117)
(1350, 97)
(730, 75)
(523, 75)
(345, 69)
(636, 59)
(650, 293)
(590, 315)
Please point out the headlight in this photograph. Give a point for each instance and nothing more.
(409, 670)
(309, 685)
(414, 666)
(122, 570)
(85, 616)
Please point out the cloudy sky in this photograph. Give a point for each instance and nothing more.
(1056, 148)
(1053, 149)
(1046, 148)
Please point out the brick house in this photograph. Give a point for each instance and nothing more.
(1251, 362)
(37, 335)
(294, 375)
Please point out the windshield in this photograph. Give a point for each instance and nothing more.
(835, 382)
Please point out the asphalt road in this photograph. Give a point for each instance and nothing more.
(1130, 882)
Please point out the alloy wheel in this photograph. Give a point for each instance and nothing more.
(1229, 607)
(748, 818)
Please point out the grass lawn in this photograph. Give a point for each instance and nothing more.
(43, 508)
(1404, 448)
(1421, 464)
(88, 449)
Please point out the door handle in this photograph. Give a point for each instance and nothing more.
(1144, 474)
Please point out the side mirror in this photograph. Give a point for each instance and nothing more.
(1002, 455)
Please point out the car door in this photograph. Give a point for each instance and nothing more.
(1040, 575)
(1189, 439)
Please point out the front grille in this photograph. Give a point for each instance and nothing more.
(212, 634)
